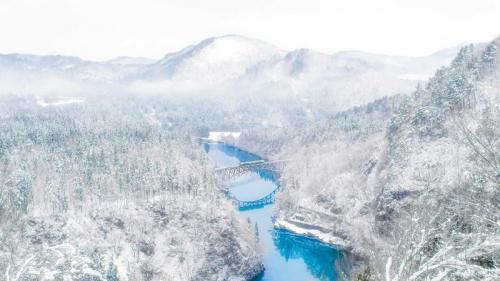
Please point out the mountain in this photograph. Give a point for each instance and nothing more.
(347, 79)
(37, 63)
(63, 75)
(409, 183)
(214, 60)
(238, 64)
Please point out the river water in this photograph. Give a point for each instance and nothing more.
(287, 257)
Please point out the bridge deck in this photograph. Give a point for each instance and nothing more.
(229, 173)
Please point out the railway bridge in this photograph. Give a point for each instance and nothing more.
(260, 166)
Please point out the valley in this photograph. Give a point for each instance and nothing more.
(391, 165)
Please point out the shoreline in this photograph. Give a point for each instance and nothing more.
(284, 224)
(326, 238)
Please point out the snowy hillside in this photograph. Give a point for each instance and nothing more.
(345, 79)
(408, 183)
(130, 61)
(231, 64)
(100, 178)
(61, 75)
(95, 190)
(214, 60)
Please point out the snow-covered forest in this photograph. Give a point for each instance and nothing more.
(394, 160)
(101, 191)
(409, 183)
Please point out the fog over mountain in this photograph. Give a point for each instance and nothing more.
(235, 160)
(231, 63)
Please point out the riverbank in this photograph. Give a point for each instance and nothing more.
(287, 255)
(302, 228)
(313, 231)
(296, 227)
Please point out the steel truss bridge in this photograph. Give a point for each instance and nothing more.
(232, 173)
(273, 168)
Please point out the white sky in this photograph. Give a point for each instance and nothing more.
(102, 29)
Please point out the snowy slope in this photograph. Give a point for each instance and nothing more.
(412, 184)
(347, 78)
(232, 64)
(130, 61)
(186, 230)
(70, 68)
(214, 59)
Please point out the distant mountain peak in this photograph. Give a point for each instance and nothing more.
(216, 59)
(232, 60)
(223, 47)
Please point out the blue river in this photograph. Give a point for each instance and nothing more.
(287, 257)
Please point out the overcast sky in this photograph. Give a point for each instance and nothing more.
(101, 29)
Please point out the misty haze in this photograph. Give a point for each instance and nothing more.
(262, 141)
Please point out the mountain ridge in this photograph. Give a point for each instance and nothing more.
(350, 78)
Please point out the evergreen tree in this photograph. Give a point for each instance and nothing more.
(256, 228)
(20, 185)
(112, 274)
(488, 58)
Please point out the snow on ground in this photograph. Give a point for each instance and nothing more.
(148, 209)
(220, 136)
(169, 240)
(325, 237)
(59, 102)
(417, 200)
(415, 77)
